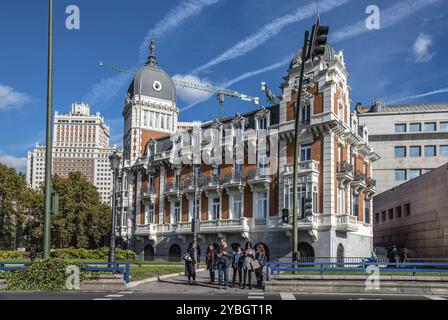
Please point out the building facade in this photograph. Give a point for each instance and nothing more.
(242, 198)
(80, 143)
(411, 139)
(414, 215)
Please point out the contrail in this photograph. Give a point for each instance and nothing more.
(241, 78)
(109, 87)
(268, 31)
(388, 18)
(421, 95)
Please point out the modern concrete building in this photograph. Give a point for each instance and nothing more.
(411, 139)
(414, 215)
(240, 200)
(80, 143)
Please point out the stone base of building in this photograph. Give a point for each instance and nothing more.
(318, 243)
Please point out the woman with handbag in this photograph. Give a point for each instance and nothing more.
(248, 256)
(210, 261)
(190, 264)
(260, 258)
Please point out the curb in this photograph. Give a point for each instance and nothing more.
(133, 284)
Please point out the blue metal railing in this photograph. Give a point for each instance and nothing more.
(360, 267)
(13, 266)
(117, 267)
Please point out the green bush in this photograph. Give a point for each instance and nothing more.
(44, 275)
(95, 254)
(4, 254)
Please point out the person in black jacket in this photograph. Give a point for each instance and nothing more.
(190, 264)
(210, 261)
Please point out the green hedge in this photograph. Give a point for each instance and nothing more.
(73, 253)
(96, 254)
(44, 275)
(13, 255)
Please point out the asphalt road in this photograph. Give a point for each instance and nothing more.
(220, 295)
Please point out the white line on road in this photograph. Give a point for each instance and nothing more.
(434, 297)
(256, 297)
(126, 292)
(114, 296)
(287, 296)
(256, 293)
(102, 299)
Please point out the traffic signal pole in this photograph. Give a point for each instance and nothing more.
(298, 127)
(48, 154)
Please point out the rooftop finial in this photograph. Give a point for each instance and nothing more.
(152, 59)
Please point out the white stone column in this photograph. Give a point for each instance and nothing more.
(328, 174)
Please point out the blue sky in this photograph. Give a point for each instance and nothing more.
(222, 42)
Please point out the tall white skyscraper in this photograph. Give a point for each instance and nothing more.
(80, 143)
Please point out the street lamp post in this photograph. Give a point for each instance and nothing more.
(295, 237)
(114, 159)
(48, 160)
(195, 212)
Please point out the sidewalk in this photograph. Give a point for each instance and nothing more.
(179, 284)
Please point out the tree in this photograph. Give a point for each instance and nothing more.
(83, 220)
(20, 210)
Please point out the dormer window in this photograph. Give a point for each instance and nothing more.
(262, 123)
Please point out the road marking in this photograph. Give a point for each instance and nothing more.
(287, 296)
(435, 297)
(115, 296)
(102, 299)
(125, 292)
(256, 295)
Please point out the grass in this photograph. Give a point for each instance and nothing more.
(139, 273)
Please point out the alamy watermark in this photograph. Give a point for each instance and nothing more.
(373, 21)
(73, 21)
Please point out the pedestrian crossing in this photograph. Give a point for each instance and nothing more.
(287, 296)
(256, 295)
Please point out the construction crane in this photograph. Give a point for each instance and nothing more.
(270, 97)
(221, 93)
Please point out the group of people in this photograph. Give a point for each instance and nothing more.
(243, 263)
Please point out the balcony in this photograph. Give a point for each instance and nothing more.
(234, 183)
(258, 181)
(211, 185)
(240, 225)
(188, 184)
(149, 230)
(148, 195)
(173, 192)
(345, 173)
(347, 223)
(310, 222)
(359, 181)
(370, 189)
(305, 168)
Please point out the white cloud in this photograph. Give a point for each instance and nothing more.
(109, 87)
(18, 163)
(388, 18)
(421, 95)
(268, 31)
(189, 95)
(11, 99)
(421, 48)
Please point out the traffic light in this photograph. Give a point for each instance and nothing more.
(318, 40)
(55, 203)
(285, 215)
(308, 206)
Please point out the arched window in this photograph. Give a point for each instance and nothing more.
(174, 253)
(149, 253)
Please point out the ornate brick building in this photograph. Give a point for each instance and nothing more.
(240, 200)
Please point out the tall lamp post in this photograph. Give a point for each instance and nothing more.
(114, 159)
(48, 160)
